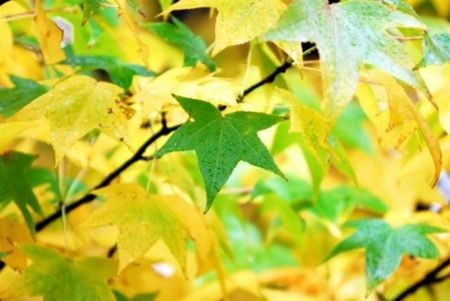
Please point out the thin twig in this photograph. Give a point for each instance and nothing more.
(430, 278)
(139, 155)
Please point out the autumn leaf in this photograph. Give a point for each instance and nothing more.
(24, 91)
(50, 36)
(15, 185)
(13, 233)
(385, 246)
(57, 278)
(194, 47)
(145, 218)
(403, 111)
(89, 8)
(349, 35)
(221, 142)
(76, 106)
(238, 21)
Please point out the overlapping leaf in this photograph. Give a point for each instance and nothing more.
(349, 35)
(24, 91)
(74, 107)
(56, 278)
(145, 218)
(238, 21)
(194, 47)
(15, 185)
(385, 246)
(221, 142)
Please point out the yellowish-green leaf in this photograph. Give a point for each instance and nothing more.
(56, 278)
(319, 147)
(349, 35)
(238, 21)
(145, 218)
(49, 35)
(74, 107)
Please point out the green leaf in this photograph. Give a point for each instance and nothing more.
(140, 297)
(15, 185)
(331, 204)
(57, 278)
(349, 35)
(221, 142)
(89, 8)
(120, 73)
(194, 47)
(385, 246)
(24, 91)
(437, 49)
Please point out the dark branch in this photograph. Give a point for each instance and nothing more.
(267, 80)
(430, 278)
(139, 155)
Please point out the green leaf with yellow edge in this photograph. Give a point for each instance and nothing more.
(238, 21)
(74, 107)
(15, 185)
(220, 142)
(385, 246)
(319, 146)
(349, 35)
(194, 47)
(145, 218)
(24, 91)
(56, 278)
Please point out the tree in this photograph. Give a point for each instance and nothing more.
(218, 149)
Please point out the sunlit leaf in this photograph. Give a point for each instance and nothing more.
(237, 21)
(145, 218)
(348, 35)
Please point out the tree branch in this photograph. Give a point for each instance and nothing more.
(267, 80)
(109, 178)
(430, 278)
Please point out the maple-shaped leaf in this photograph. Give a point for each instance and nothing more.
(238, 21)
(56, 278)
(24, 91)
(15, 185)
(385, 246)
(349, 35)
(74, 107)
(145, 218)
(194, 47)
(220, 142)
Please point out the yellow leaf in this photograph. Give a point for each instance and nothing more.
(49, 35)
(402, 111)
(11, 233)
(194, 82)
(238, 21)
(145, 218)
(74, 107)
